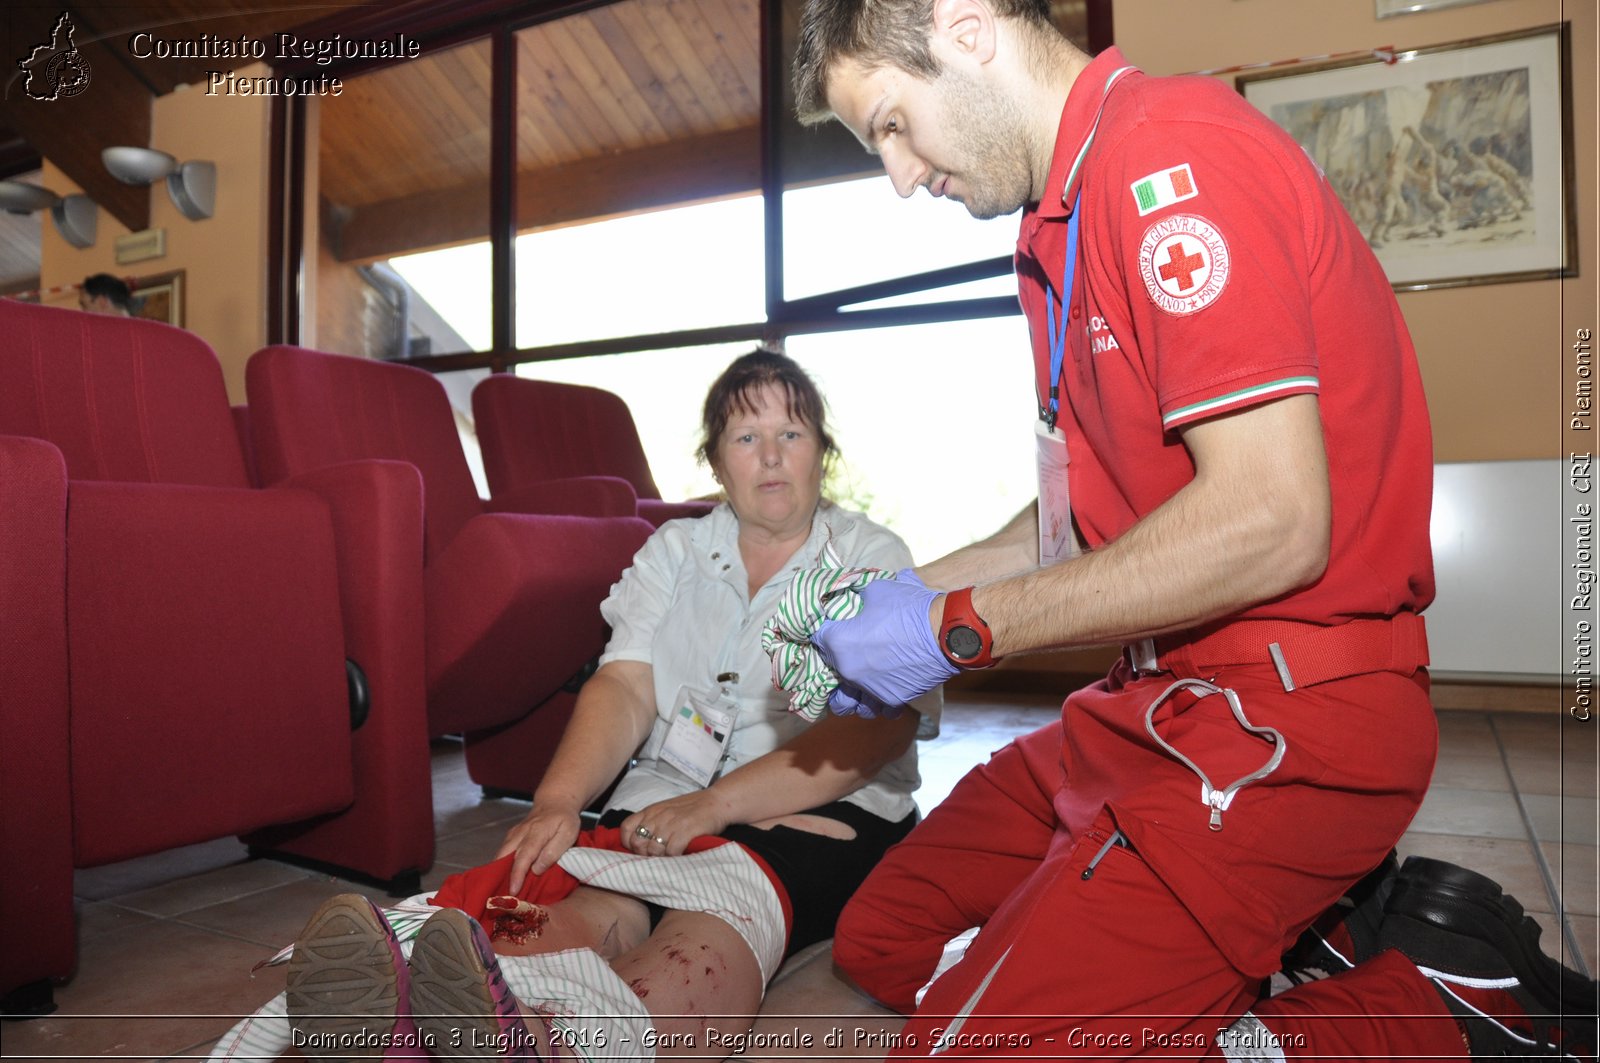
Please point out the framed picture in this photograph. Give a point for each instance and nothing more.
(160, 298)
(1391, 8)
(1455, 161)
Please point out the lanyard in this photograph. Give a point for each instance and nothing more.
(1057, 331)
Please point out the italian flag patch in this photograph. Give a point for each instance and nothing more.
(1164, 188)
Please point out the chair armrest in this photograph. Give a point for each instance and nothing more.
(36, 919)
(376, 508)
(578, 496)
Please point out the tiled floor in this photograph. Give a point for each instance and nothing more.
(168, 942)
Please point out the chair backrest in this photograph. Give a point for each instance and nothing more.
(122, 399)
(309, 410)
(247, 443)
(533, 430)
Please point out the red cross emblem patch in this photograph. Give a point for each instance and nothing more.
(1185, 263)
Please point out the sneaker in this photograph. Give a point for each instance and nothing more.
(348, 988)
(1481, 951)
(459, 996)
(1347, 933)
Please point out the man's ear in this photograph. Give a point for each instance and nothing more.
(963, 31)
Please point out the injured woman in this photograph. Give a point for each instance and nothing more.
(744, 823)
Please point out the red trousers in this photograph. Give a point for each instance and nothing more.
(1155, 947)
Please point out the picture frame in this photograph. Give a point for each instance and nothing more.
(1455, 161)
(1391, 8)
(159, 297)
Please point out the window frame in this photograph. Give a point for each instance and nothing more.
(437, 24)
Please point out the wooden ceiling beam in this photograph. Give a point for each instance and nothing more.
(676, 173)
(709, 167)
(70, 131)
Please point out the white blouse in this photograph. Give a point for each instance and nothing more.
(684, 609)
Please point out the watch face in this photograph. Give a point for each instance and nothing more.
(964, 643)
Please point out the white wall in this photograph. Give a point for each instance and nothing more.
(1497, 549)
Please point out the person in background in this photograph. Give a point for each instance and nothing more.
(733, 839)
(101, 293)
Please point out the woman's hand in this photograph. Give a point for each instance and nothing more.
(539, 840)
(669, 826)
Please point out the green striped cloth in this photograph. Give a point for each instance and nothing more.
(828, 592)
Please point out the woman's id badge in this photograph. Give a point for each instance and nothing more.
(1056, 539)
(698, 736)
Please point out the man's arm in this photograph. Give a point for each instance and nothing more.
(1011, 551)
(1252, 525)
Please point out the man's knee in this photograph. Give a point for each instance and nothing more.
(877, 953)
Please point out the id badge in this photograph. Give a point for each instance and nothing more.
(1056, 540)
(699, 734)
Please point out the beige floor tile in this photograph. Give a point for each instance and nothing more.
(160, 987)
(213, 887)
(1563, 819)
(1554, 943)
(1455, 771)
(498, 812)
(1542, 726)
(1551, 773)
(1477, 813)
(1586, 928)
(1519, 731)
(131, 876)
(1467, 734)
(1509, 861)
(471, 848)
(105, 917)
(273, 917)
(1574, 868)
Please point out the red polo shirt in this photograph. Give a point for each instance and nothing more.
(1217, 270)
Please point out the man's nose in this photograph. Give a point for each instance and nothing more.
(905, 171)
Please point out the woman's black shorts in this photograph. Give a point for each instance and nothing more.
(819, 873)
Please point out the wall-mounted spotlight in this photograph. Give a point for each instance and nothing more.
(76, 217)
(192, 185)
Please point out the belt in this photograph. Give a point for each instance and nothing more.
(1303, 654)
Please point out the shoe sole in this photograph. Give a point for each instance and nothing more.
(460, 1016)
(344, 987)
(1450, 898)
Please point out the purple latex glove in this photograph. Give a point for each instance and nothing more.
(887, 653)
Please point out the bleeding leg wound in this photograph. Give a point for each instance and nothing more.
(516, 921)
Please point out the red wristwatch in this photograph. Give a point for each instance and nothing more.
(964, 637)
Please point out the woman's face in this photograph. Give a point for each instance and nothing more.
(770, 466)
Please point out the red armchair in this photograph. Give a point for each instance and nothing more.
(174, 668)
(35, 773)
(535, 431)
(511, 597)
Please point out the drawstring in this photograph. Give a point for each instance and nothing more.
(1215, 799)
(1117, 838)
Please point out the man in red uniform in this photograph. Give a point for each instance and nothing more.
(1223, 369)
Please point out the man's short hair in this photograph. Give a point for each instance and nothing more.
(112, 288)
(876, 33)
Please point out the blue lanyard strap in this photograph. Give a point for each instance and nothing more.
(1057, 330)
